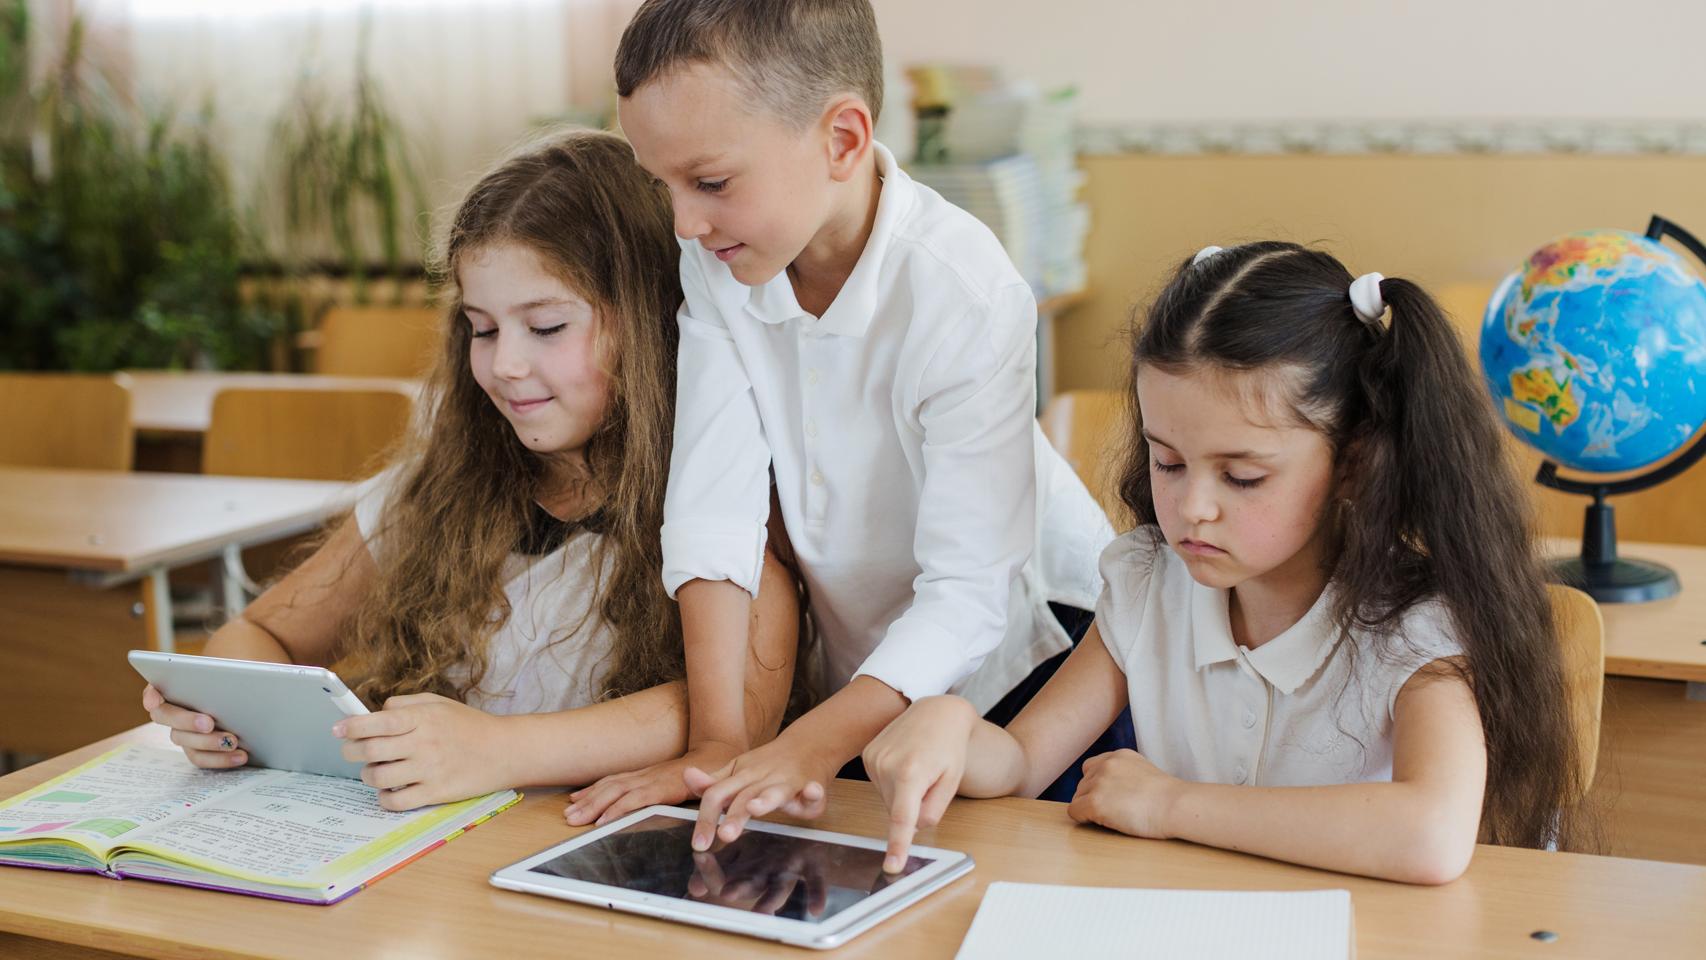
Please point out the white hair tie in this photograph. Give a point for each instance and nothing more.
(1204, 254)
(1365, 298)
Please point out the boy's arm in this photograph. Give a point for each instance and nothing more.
(1419, 828)
(976, 528)
(940, 747)
(714, 615)
(790, 772)
(715, 510)
(774, 628)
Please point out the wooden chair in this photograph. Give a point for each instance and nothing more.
(303, 434)
(1090, 429)
(378, 341)
(1582, 630)
(68, 420)
(300, 434)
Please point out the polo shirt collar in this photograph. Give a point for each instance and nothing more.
(850, 314)
(1287, 661)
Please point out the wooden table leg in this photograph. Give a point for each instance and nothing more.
(157, 611)
(66, 681)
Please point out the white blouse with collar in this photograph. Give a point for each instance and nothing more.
(1310, 707)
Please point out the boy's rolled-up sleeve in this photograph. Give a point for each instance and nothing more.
(719, 480)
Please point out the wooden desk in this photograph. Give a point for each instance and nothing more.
(1663, 639)
(181, 403)
(442, 906)
(65, 680)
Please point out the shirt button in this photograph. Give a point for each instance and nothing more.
(1241, 773)
(811, 377)
(1249, 719)
(817, 478)
(811, 428)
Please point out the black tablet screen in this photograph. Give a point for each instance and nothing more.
(790, 877)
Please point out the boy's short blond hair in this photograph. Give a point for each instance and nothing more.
(792, 55)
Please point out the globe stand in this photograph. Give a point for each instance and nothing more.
(1599, 571)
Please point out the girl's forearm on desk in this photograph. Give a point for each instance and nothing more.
(576, 747)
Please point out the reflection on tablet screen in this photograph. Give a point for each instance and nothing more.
(789, 877)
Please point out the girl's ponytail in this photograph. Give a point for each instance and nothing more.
(1429, 463)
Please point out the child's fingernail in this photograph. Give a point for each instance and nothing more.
(892, 865)
(338, 729)
(700, 843)
(238, 758)
(204, 724)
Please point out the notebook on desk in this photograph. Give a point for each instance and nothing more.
(148, 813)
(1025, 921)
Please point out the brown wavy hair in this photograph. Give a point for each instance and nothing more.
(1431, 508)
(466, 487)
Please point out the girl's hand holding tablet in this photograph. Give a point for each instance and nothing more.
(424, 748)
(206, 746)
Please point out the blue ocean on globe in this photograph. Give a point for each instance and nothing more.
(1595, 351)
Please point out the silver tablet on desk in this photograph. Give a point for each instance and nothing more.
(810, 888)
(281, 713)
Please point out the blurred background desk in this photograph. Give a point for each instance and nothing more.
(73, 544)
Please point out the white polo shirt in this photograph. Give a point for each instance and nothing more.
(552, 652)
(1311, 707)
(932, 521)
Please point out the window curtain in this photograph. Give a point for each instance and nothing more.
(466, 79)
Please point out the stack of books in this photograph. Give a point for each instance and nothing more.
(1007, 154)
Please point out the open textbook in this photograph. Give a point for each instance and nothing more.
(148, 813)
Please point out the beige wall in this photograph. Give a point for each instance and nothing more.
(1434, 219)
(1257, 60)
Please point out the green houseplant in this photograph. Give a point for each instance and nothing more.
(120, 241)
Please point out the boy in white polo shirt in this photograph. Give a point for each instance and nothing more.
(870, 345)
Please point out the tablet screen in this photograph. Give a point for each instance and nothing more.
(790, 877)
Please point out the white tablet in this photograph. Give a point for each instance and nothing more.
(810, 888)
(282, 714)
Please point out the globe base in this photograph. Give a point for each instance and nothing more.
(1620, 581)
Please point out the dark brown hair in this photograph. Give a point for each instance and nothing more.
(794, 56)
(466, 486)
(1431, 507)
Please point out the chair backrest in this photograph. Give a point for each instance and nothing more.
(1090, 429)
(378, 341)
(301, 433)
(79, 421)
(1582, 632)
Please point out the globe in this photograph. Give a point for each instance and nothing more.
(1595, 351)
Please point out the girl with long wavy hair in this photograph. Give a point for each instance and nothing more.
(499, 589)
(1330, 622)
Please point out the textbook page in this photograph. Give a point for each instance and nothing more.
(1026, 920)
(106, 801)
(292, 827)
